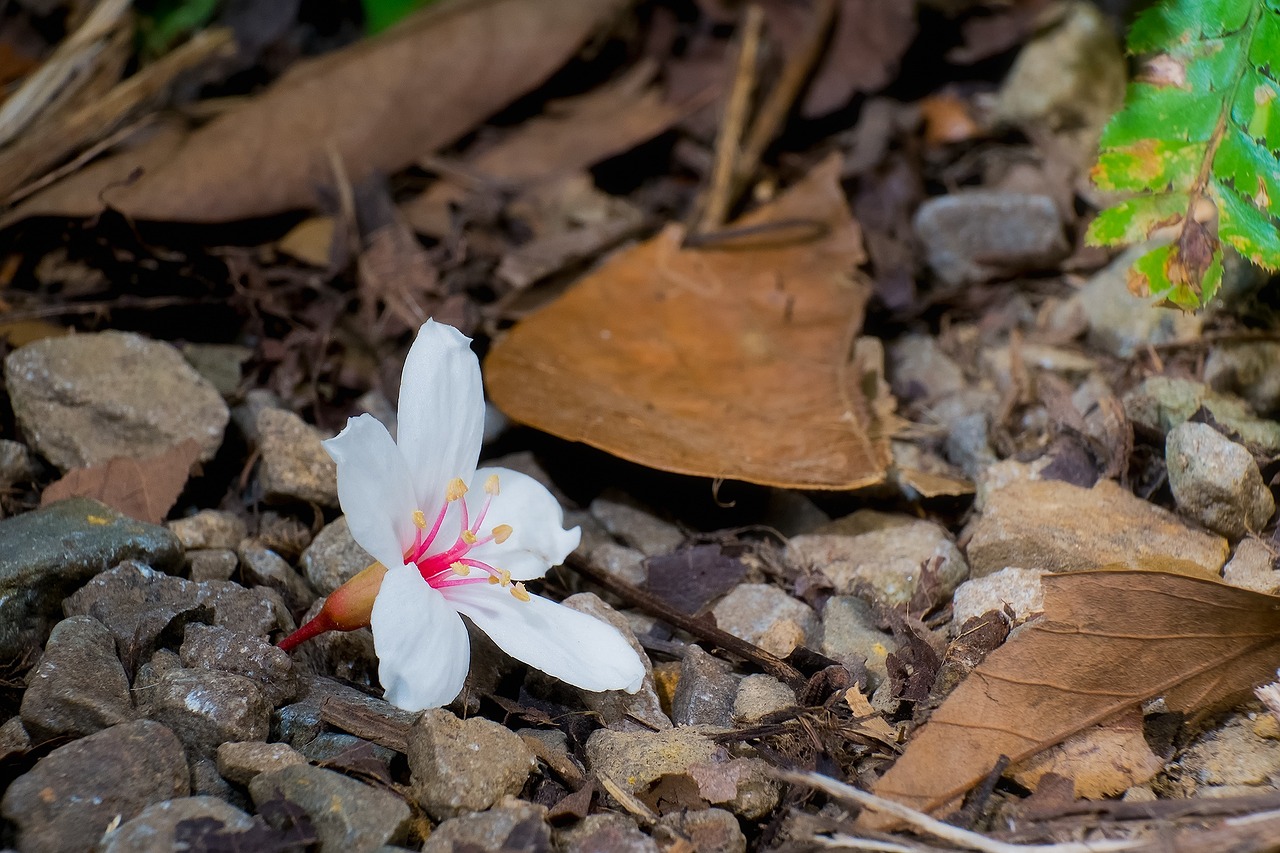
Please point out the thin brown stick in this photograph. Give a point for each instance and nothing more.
(637, 597)
(720, 194)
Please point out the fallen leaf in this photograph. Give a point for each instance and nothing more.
(144, 489)
(310, 241)
(692, 577)
(1102, 760)
(1108, 640)
(376, 107)
(725, 361)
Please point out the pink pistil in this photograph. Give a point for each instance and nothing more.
(437, 569)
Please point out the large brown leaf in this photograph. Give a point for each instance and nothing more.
(1108, 640)
(376, 106)
(141, 488)
(730, 362)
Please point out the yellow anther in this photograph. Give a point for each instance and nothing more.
(502, 533)
(419, 519)
(468, 537)
(491, 485)
(517, 589)
(455, 489)
(493, 579)
(504, 577)
(460, 568)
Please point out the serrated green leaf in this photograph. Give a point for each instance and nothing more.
(1163, 26)
(1250, 169)
(1246, 229)
(1179, 114)
(1150, 274)
(1157, 165)
(1132, 221)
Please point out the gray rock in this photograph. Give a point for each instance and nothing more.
(221, 364)
(49, 553)
(637, 527)
(260, 566)
(1231, 754)
(240, 762)
(1036, 524)
(705, 693)
(1248, 370)
(918, 369)
(85, 399)
(622, 562)
(610, 832)
(792, 513)
(333, 558)
(74, 793)
(246, 414)
(760, 694)
(209, 528)
(79, 686)
(206, 781)
(512, 824)
(214, 564)
(217, 649)
(300, 723)
(327, 746)
(347, 815)
(17, 463)
(974, 236)
(1215, 481)
(13, 738)
(1160, 403)
(156, 827)
(849, 635)
(617, 708)
(1119, 322)
(1017, 589)
(763, 614)
(1252, 566)
(295, 466)
(708, 830)
(887, 561)
(461, 766)
(205, 709)
(137, 603)
(348, 655)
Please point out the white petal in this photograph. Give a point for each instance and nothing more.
(441, 417)
(374, 489)
(538, 539)
(422, 645)
(574, 647)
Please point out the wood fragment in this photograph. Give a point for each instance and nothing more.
(363, 722)
(720, 195)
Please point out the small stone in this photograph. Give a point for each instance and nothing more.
(347, 815)
(216, 649)
(888, 560)
(461, 766)
(221, 364)
(759, 695)
(299, 724)
(327, 746)
(1121, 323)
(708, 830)
(246, 414)
(1253, 566)
(849, 635)
(1160, 403)
(137, 603)
(156, 827)
(639, 711)
(792, 513)
(75, 792)
(1017, 589)
(240, 761)
(919, 370)
(610, 832)
(1232, 754)
(348, 655)
(209, 528)
(215, 564)
(763, 614)
(1248, 370)
(968, 419)
(13, 738)
(973, 236)
(512, 824)
(17, 463)
(333, 557)
(79, 686)
(295, 466)
(637, 527)
(1036, 525)
(205, 709)
(261, 566)
(85, 399)
(1215, 481)
(626, 564)
(705, 693)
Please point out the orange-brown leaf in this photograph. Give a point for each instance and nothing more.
(141, 488)
(723, 361)
(1108, 640)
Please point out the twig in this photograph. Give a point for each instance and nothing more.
(720, 194)
(936, 828)
(770, 663)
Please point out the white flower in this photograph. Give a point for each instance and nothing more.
(456, 540)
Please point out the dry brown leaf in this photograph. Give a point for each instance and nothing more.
(377, 106)
(144, 489)
(730, 362)
(1108, 641)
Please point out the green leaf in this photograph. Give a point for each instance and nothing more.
(381, 14)
(1197, 142)
(163, 23)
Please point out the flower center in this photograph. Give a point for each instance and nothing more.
(452, 566)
